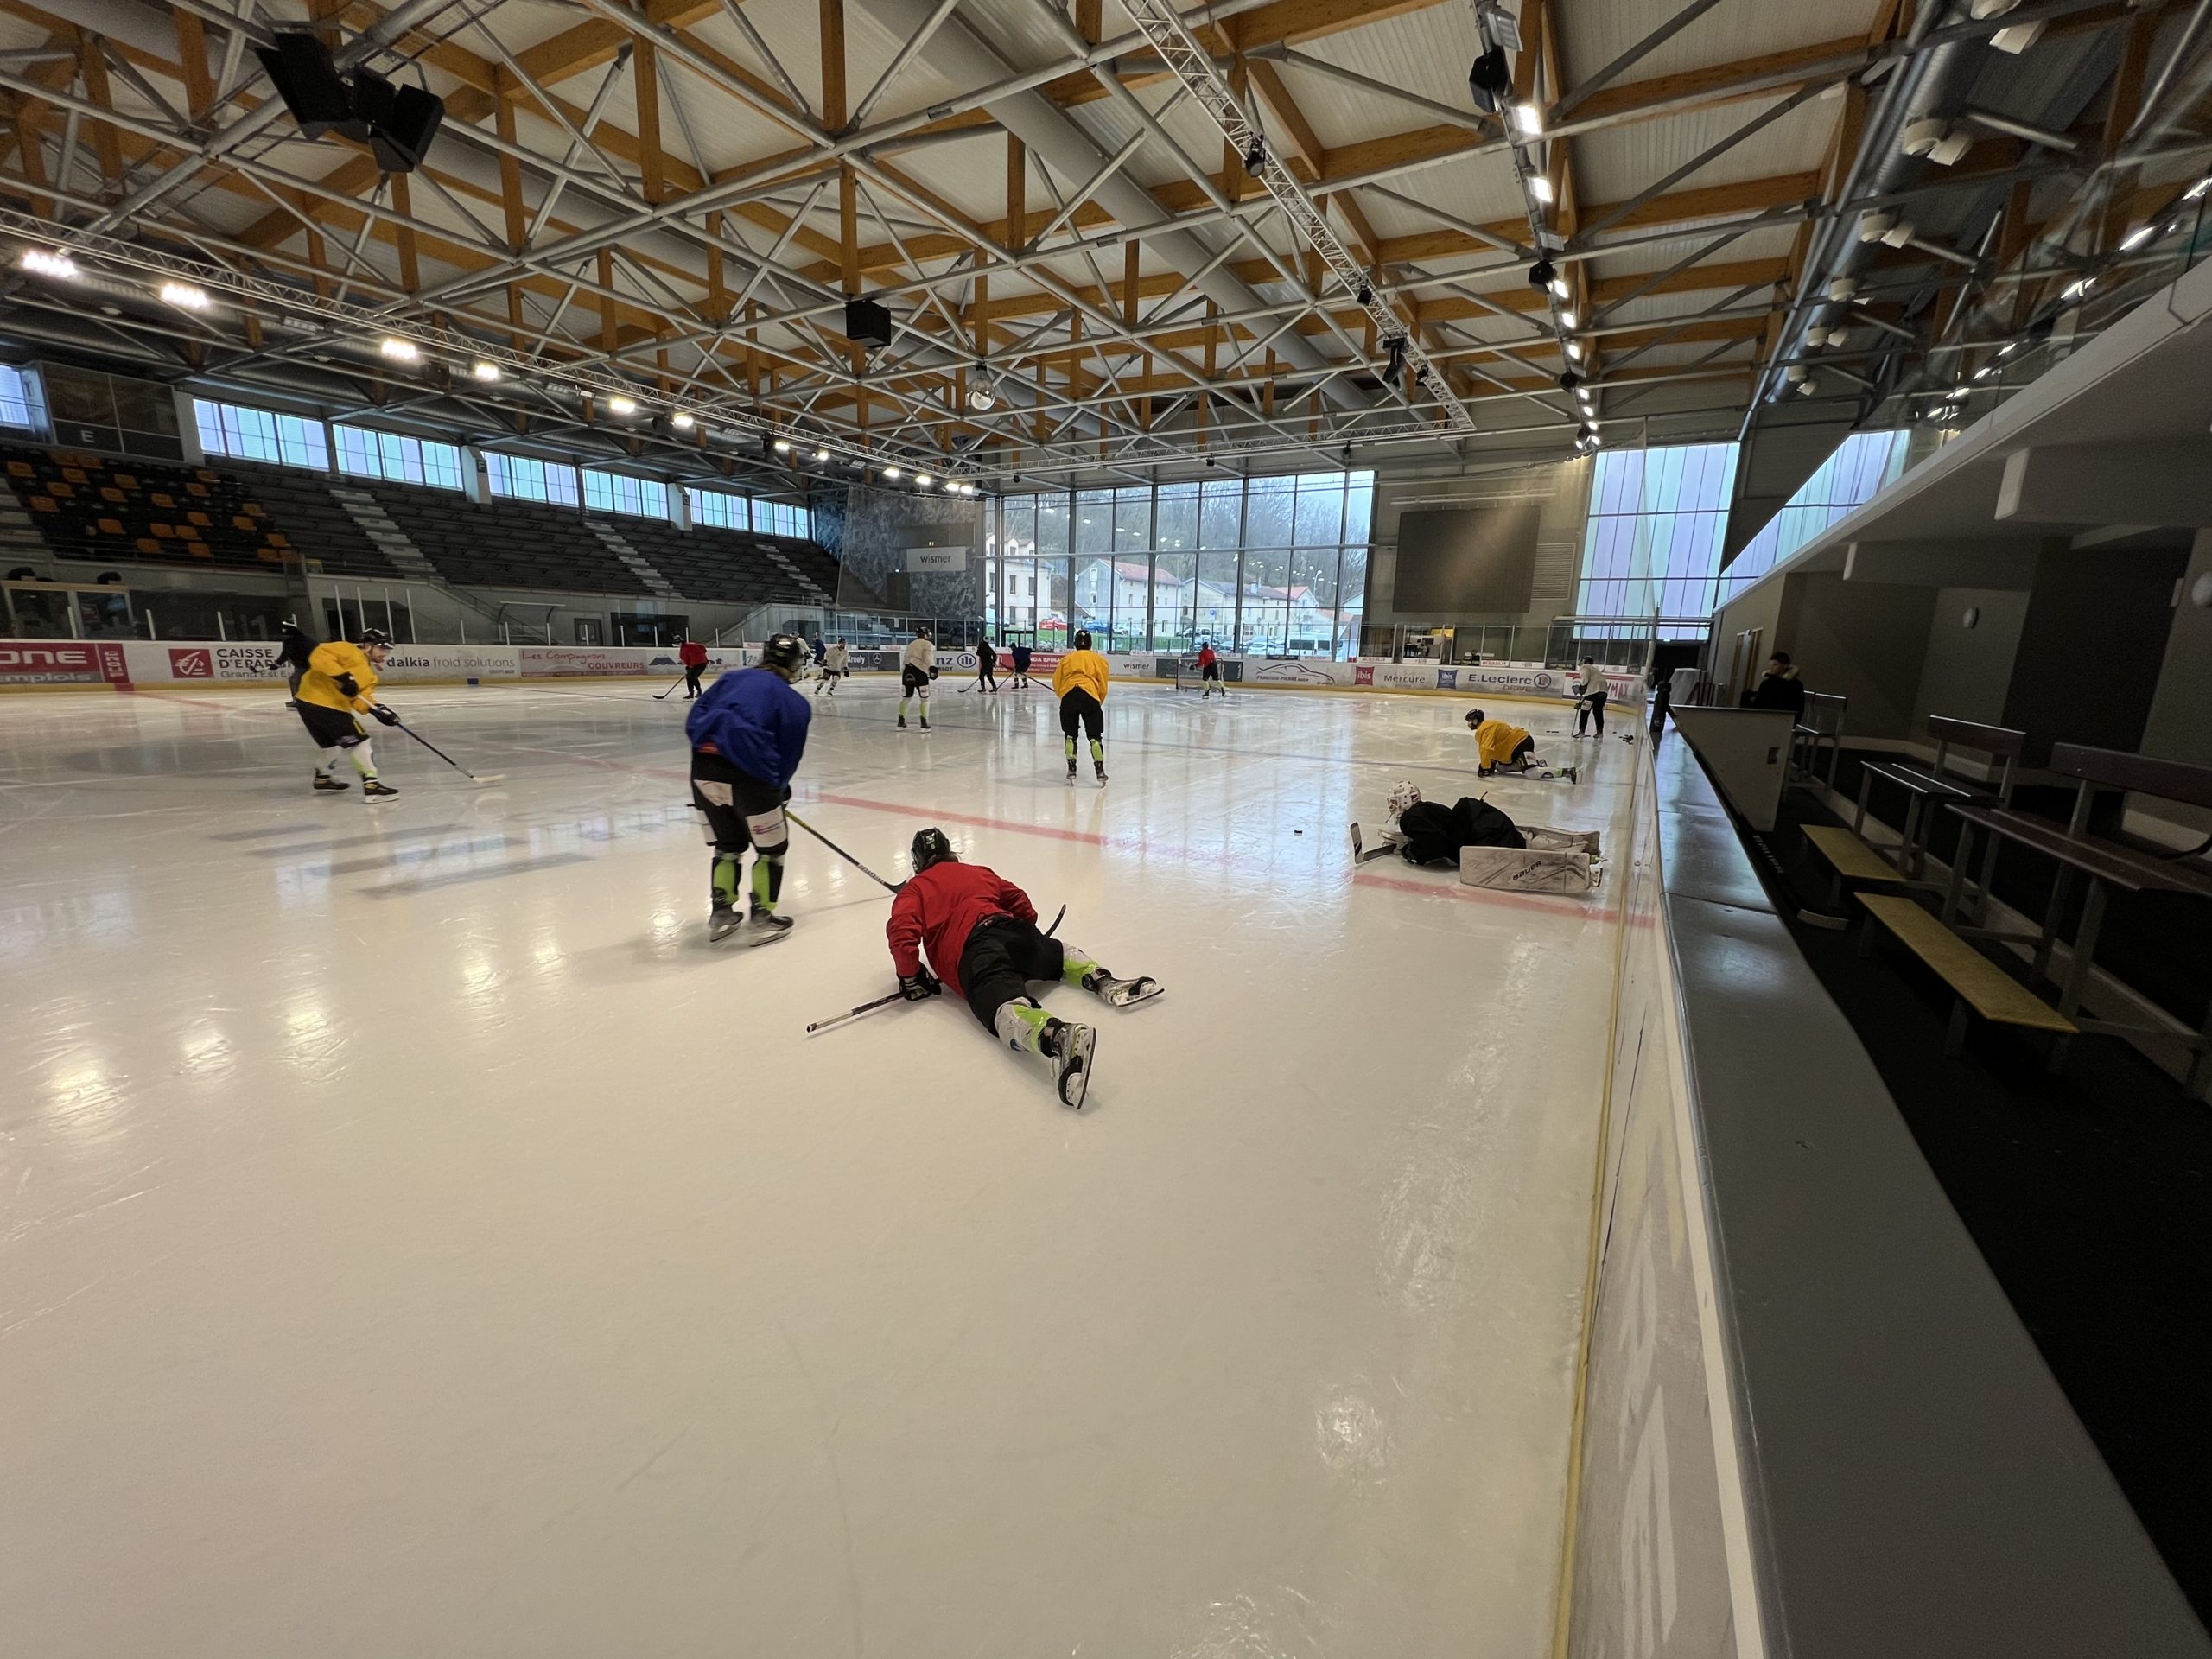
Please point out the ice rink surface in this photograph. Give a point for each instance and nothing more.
(419, 1241)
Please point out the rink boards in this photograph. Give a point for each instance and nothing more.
(34, 663)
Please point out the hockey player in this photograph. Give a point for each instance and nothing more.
(1079, 681)
(1020, 652)
(1210, 672)
(293, 657)
(693, 656)
(980, 931)
(1499, 745)
(1590, 698)
(747, 733)
(1428, 832)
(340, 681)
(987, 661)
(834, 660)
(916, 670)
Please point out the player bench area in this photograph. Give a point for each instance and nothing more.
(1850, 858)
(2095, 866)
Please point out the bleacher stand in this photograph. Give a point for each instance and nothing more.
(94, 508)
(504, 544)
(249, 516)
(731, 566)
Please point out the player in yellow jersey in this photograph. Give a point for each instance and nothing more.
(1080, 683)
(340, 682)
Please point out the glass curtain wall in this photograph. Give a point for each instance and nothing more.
(1863, 463)
(1274, 566)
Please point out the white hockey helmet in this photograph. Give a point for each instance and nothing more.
(1402, 797)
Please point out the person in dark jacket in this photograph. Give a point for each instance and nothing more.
(693, 656)
(293, 656)
(981, 933)
(1780, 688)
(987, 661)
(747, 732)
(1020, 655)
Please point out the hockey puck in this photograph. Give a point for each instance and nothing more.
(1298, 832)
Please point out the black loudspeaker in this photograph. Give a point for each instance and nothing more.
(867, 322)
(299, 66)
(402, 138)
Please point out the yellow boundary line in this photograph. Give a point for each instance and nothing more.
(1563, 1610)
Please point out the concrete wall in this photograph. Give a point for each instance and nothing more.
(1865, 641)
(2091, 647)
(1770, 607)
(2180, 723)
(1968, 672)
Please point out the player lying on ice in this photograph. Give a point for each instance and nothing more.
(1429, 832)
(980, 931)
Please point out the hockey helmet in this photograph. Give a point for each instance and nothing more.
(1082, 639)
(372, 637)
(1404, 796)
(784, 653)
(932, 847)
(1474, 716)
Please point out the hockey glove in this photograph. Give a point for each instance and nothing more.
(787, 794)
(919, 987)
(347, 685)
(934, 672)
(384, 714)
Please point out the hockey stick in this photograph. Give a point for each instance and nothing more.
(888, 887)
(855, 1013)
(672, 684)
(473, 778)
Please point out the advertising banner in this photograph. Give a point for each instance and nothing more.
(920, 559)
(62, 662)
(1287, 670)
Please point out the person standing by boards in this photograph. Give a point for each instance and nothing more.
(693, 656)
(340, 681)
(1080, 683)
(987, 661)
(1590, 699)
(1020, 655)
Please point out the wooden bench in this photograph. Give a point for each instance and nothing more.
(1980, 983)
(1849, 859)
(2105, 865)
(1821, 722)
(1928, 788)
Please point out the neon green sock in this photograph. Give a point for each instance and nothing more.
(763, 884)
(903, 701)
(1075, 967)
(723, 882)
(1097, 753)
(1071, 745)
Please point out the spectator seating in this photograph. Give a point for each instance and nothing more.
(249, 516)
(319, 526)
(504, 544)
(729, 566)
(94, 508)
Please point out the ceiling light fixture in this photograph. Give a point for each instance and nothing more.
(782, 445)
(1540, 188)
(484, 371)
(822, 455)
(1567, 318)
(891, 473)
(1559, 286)
(399, 350)
(1529, 119)
(2075, 291)
(2138, 237)
(618, 404)
(681, 420)
(1573, 351)
(922, 481)
(185, 296)
(1490, 81)
(47, 263)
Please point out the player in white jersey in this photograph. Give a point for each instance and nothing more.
(916, 670)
